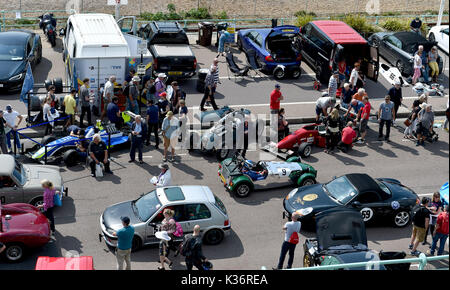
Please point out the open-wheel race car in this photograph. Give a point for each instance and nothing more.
(242, 176)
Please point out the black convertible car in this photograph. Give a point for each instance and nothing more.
(399, 48)
(381, 199)
(341, 239)
(17, 49)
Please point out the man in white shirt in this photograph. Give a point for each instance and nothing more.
(10, 118)
(108, 94)
(164, 178)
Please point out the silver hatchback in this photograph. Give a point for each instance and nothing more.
(193, 205)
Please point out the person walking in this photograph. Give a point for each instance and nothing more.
(108, 94)
(164, 178)
(124, 243)
(333, 84)
(3, 127)
(332, 123)
(324, 103)
(348, 137)
(164, 238)
(168, 227)
(113, 113)
(152, 119)
(85, 103)
(193, 250)
(365, 114)
(138, 135)
(170, 134)
(417, 66)
(47, 206)
(412, 121)
(440, 233)
(291, 239)
(396, 97)
(386, 115)
(425, 121)
(432, 62)
(10, 117)
(133, 95)
(164, 107)
(48, 118)
(435, 207)
(420, 220)
(70, 107)
(210, 89)
(99, 154)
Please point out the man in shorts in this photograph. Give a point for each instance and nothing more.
(365, 113)
(420, 221)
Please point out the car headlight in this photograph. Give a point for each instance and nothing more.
(17, 77)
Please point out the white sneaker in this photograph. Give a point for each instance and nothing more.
(359, 142)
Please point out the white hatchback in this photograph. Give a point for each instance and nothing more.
(440, 35)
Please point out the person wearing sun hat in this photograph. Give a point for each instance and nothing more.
(164, 178)
(163, 248)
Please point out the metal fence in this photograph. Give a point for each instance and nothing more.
(29, 19)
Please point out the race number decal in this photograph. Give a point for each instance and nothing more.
(284, 171)
(367, 214)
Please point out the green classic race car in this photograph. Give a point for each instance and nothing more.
(242, 176)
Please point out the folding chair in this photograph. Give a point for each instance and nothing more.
(252, 61)
(234, 68)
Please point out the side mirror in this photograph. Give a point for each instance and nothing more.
(356, 204)
(8, 217)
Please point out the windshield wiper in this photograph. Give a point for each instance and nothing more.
(330, 195)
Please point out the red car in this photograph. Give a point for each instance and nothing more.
(300, 142)
(61, 263)
(22, 226)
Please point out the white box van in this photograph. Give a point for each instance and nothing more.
(96, 48)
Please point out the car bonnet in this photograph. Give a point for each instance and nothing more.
(111, 216)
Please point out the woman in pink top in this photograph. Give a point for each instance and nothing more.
(417, 66)
(49, 193)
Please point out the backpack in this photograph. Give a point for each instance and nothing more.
(179, 231)
(294, 239)
(414, 212)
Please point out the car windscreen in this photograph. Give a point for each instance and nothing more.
(383, 187)
(147, 205)
(341, 189)
(11, 52)
(19, 173)
(170, 38)
(219, 204)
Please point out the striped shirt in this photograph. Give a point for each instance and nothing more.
(332, 86)
(215, 74)
(209, 80)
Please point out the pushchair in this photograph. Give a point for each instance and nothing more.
(429, 136)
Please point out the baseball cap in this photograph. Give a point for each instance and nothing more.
(125, 219)
(163, 166)
(8, 108)
(277, 86)
(163, 94)
(162, 75)
(397, 83)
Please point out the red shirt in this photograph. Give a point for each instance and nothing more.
(348, 134)
(442, 221)
(366, 111)
(274, 100)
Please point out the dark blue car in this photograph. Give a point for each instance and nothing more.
(273, 49)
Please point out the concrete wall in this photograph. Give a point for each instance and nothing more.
(261, 8)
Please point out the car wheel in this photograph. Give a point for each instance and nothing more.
(296, 73)
(279, 73)
(400, 67)
(401, 218)
(47, 139)
(305, 150)
(306, 182)
(243, 190)
(213, 237)
(70, 158)
(14, 252)
(222, 154)
(431, 37)
(136, 244)
(307, 260)
(37, 201)
(318, 72)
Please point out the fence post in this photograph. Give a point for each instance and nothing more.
(423, 261)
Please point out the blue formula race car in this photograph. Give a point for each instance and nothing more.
(274, 50)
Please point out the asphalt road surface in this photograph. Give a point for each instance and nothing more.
(256, 221)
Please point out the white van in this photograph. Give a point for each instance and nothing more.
(96, 48)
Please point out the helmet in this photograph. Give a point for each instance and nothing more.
(207, 265)
(249, 163)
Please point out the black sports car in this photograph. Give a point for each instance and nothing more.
(377, 199)
(341, 239)
(399, 48)
(17, 49)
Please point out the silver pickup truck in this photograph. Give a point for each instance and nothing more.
(21, 183)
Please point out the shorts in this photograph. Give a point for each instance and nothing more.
(318, 111)
(420, 233)
(363, 125)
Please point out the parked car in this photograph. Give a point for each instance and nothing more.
(169, 45)
(440, 35)
(341, 239)
(18, 48)
(65, 263)
(193, 205)
(273, 48)
(22, 226)
(22, 182)
(377, 199)
(323, 43)
(398, 48)
(444, 193)
(242, 176)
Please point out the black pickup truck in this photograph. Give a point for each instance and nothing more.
(169, 45)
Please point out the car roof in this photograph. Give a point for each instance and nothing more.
(409, 37)
(8, 164)
(163, 26)
(14, 37)
(363, 182)
(192, 194)
(339, 32)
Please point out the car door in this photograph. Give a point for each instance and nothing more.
(10, 190)
(30, 53)
(197, 214)
(371, 205)
(158, 218)
(307, 48)
(373, 66)
(259, 46)
(391, 45)
(444, 38)
(128, 24)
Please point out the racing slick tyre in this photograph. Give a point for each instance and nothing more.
(243, 189)
(307, 260)
(279, 73)
(306, 181)
(222, 154)
(70, 157)
(136, 244)
(304, 150)
(47, 139)
(296, 73)
(58, 83)
(14, 252)
(401, 218)
(213, 237)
